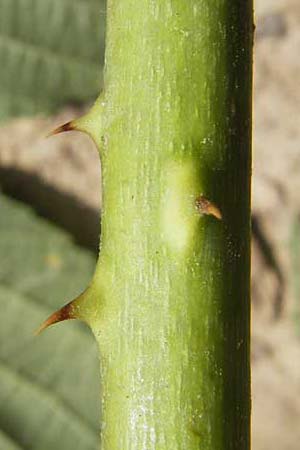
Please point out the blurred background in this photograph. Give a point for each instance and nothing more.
(51, 55)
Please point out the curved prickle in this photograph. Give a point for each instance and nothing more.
(76, 309)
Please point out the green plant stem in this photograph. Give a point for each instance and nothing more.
(171, 289)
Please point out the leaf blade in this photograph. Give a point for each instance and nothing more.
(48, 384)
(51, 52)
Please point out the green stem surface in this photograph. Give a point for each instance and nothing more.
(171, 287)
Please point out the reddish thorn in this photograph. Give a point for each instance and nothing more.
(205, 206)
(65, 313)
(69, 126)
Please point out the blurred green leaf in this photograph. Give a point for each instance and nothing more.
(51, 53)
(48, 384)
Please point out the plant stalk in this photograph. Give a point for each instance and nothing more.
(170, 304)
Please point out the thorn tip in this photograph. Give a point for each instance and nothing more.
(65, 313)
(205, 206)
(69, 126)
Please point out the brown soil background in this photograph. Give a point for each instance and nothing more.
(65, 170)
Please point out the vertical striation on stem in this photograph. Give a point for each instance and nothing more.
(169, 303)
(173, 327)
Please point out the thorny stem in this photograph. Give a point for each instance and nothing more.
(169, 303)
